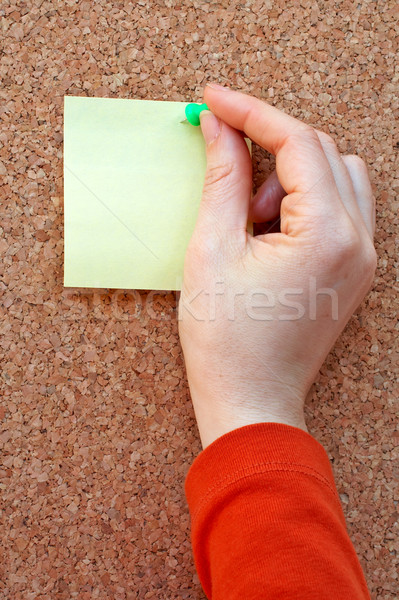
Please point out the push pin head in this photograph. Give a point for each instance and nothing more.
(192, 112)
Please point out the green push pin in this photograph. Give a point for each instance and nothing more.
(192, 112)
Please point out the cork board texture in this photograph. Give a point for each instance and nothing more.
(97, 427)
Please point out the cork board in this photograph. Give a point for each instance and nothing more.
(97, 429)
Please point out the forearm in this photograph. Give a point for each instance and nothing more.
(266, 518)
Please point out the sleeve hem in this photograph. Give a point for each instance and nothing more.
(255, 449)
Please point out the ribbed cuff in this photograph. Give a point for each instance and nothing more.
(254, 449)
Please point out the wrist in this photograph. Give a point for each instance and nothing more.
(216, 418)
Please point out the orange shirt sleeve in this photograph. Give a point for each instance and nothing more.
(266, 519)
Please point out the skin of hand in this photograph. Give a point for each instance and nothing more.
(259, 314)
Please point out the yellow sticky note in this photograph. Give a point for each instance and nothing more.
(133, 178)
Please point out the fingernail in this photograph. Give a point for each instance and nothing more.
(210, 126)
(216, 86)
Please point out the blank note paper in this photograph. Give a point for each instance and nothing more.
(133, 177)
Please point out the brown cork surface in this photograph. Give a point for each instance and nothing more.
(97, 428)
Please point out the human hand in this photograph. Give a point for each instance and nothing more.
(258, 315)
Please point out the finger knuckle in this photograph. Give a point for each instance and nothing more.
(325, 138)
(218, 174)
(308, 132)
(347, 248)
(303, 135)
(355, 162)
(348, 243)
(370, 260)
(366, 265)
(340, 245)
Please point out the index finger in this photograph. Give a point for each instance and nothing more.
(301, 164)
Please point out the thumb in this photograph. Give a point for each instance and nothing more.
(228, 178)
